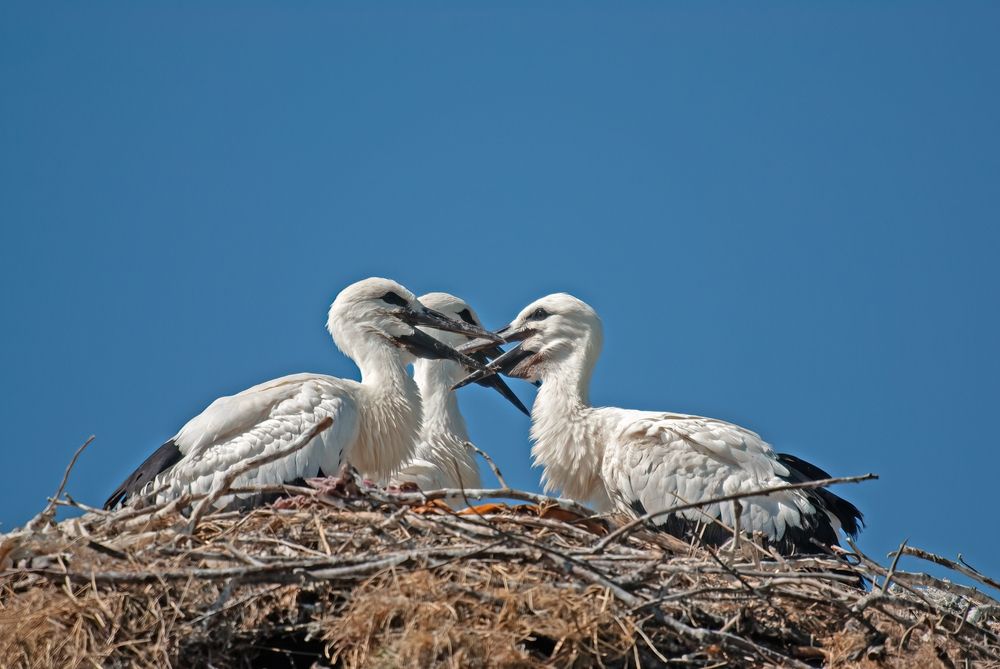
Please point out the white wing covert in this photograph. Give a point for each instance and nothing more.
(260, 420)
(665, 460)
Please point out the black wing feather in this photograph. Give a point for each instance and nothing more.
(800, 471)
(162, 459)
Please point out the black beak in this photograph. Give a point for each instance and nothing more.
(438, 321)
(477, 345)
(504, 335)
(501, 365)
(422, 345)
(476, 361)
(495, 382)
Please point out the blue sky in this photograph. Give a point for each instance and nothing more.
(785, 214)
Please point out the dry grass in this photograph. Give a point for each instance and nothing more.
(380, 581)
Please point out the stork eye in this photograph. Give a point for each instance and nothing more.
(466, 316)
(393, 298)
(538, 314)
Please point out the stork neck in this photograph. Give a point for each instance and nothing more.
(441, 458)
(566, 385)
(441, 414)
(559, 418)
(389, 416)
(569, 435)
(382, 366)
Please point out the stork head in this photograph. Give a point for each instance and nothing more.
(556, 333)
(458, 309)
(376, 312)
(455, 309)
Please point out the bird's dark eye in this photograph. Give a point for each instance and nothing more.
(466, 316)
(393, 298)
(538, 314)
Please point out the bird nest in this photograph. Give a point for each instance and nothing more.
(355, 578)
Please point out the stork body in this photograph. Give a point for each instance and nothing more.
(374, 422)
(441, 458)
(638, 462)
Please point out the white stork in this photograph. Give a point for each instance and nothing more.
(441, 458)
(374, 422)
(639, 462)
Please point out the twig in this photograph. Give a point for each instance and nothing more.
(480, 494)
(49, 511)
(231, 605)
(954, 566)
(892, 567)
(489, 461)
(954, 589)
(285, 571)
(68, 501)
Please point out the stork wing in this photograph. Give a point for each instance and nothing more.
(260, 420)
(162, 459)
(665, 460)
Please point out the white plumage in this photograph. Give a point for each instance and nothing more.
(643, 461)
(264, 419)
(441, 458)
(374, 422)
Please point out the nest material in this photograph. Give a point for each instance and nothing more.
(379, 582)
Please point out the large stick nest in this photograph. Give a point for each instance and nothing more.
(397, 581)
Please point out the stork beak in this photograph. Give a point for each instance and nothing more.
(480, 344)
(423, 345)
(504, 335)
(494, 381)
(435, 319)
(501, 365)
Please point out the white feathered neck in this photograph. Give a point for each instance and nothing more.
(441, 414)
(569, 434)
(389, 414)
(441, 458)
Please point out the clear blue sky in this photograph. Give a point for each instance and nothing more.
(786, 215)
